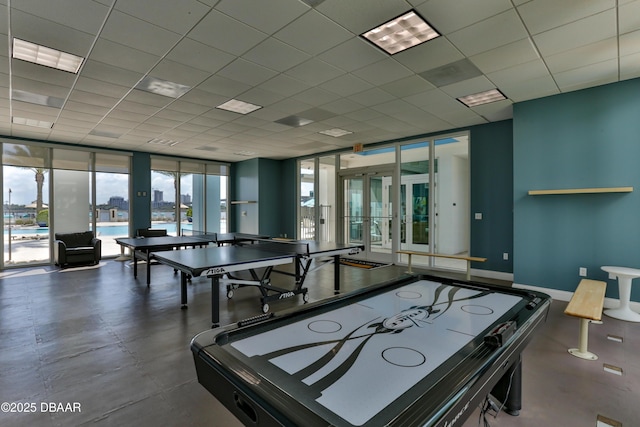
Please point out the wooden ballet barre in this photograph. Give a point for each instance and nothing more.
(468, 259)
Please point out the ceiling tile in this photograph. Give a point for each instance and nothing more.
(359, 16)
(284, 85)
(353, 54)
(313, 33)
(629, 17)
(435, 53)
(468, 87)
(247, 72)
(537, 17)
(591, 75)
(120, 56)
(276, 55)
(373, 96)
(215, 30)
(482, 36)
(579, 33)
(110, 74)
(383, 72)
(267, 17)
(178, 17)
(447, 17)
(346, 84)
(314, 72)
(630, 66)
(506, 56)
(407, 86)
(584, 55)
(138, 34)
(198, 55)
(178, 73)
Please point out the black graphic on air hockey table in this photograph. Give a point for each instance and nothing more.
(387, 344)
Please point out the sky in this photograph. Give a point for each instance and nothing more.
(23, 186)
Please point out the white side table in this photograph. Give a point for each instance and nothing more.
(625, 276)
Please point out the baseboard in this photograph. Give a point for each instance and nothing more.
(498, 275)
(565, 296)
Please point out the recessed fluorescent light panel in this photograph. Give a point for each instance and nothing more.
(162, 87)
(162, 141)
(237, 106)
(46, 56)
(401, 33)
(336, 132)
(105, 134)
(32, 122)
(245, 153)
(481, 98)
(34, 98)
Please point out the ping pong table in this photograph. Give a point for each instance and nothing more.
(219, 262)
(145, 247)
(233, 238)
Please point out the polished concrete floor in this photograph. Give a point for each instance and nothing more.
(93, 346)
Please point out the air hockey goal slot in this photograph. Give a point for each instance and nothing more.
(245, 407)
(501, 334)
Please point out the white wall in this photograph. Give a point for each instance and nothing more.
(453, 204)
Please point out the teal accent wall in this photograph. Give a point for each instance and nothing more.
(289, 194)
(266, 182)
(140, 182)
(491, 172)
(582, 139)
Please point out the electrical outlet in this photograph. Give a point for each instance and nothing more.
(583, 271)
(478, 215)
(505, 256)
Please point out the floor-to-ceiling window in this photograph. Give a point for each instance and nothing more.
(112, 200)
(164, 185)
(307, 215)
(326, 228)
(434, 199)
(25, 178)
(57, 190)
(188, 196)
(365, 208)
(409, 195)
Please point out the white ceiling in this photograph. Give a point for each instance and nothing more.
(294, 59)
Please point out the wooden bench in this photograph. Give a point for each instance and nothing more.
(468, 259)
(586, 304)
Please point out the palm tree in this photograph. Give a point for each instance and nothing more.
(22, 152)
(39, 184)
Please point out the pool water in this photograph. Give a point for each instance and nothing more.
(103, 230)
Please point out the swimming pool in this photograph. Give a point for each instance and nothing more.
(103, 230)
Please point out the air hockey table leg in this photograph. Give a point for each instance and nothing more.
(215, 301)
(508, 390)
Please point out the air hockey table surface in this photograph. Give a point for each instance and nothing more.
(418, 350)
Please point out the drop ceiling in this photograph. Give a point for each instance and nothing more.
(303, 62)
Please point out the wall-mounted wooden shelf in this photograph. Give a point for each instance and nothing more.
(581, 191)
(243, 202)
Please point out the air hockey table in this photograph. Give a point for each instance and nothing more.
(417, 350)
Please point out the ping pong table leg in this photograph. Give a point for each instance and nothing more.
(336, 274)
(215, 301)
(183, 290)
(148, 268)
(135, 265)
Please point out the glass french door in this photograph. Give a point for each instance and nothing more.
(367, 213)
(414, 213)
